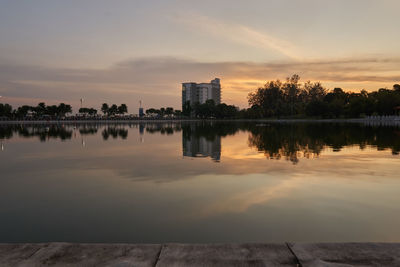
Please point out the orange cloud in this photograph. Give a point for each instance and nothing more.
(157, 81)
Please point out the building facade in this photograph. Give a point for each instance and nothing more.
(201, 92)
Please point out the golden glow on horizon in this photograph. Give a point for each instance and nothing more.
(235, 89)
(57, 59)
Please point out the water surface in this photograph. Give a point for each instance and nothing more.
(199, 182)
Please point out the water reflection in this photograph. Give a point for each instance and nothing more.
(200, 142)
(203, 139)
(162, 128)
(85, 130)
(292, 141)
(118, 189)
(44, 133)
(114, 132)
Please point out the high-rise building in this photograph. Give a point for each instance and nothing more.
(141, 111)
(201, 92)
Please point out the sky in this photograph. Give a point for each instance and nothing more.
(123, 51)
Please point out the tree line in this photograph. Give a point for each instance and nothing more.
(294, 99)
(168, 111)
(210, 110)
(109, 110)
(40, 110)
(114, 109)
(56, 111)
(276, 99)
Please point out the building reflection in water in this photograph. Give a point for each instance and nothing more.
(195, 145)
(141, 128)
(141, 132)
(289, 141)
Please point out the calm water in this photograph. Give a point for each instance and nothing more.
(199, 182)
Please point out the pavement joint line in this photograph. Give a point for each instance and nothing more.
(158, 255)
(36, 251)
(294, 254)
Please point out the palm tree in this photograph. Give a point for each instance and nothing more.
(104, 108)
(122, 109)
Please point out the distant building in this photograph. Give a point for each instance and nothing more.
(201, 92)
(141, 113)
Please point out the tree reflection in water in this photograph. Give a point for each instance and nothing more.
(289, 141)
(43, 132)
(292, 141)
(114, 132)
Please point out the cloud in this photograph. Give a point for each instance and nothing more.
(240, 34)
(242, 201)
(157, 80)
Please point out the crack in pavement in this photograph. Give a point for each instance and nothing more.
(158, 255)
(294, 254)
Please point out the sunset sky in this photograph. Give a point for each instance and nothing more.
(123, 51)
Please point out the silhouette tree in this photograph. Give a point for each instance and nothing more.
(113, 109)
(5, 110)
(122, 109)
(105, 108)
(169, 111)
(90, 111)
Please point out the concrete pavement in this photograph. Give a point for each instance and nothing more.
(281, 254)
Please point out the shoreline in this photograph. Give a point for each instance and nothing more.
(355, 120)
(175, 254)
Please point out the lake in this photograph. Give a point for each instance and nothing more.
(198, 182)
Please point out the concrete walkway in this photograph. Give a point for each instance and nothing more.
(286, 254)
